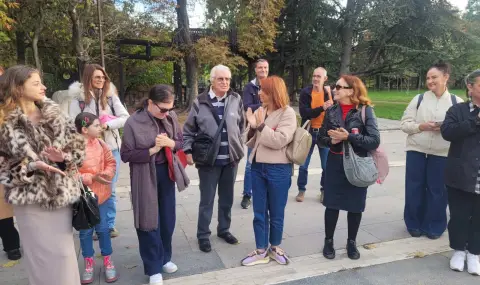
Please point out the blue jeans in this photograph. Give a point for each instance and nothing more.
(103, 233)
(271, 183)
(156, 246)
(303, 171)
(247, 179)
(425, 193)
(112, 205)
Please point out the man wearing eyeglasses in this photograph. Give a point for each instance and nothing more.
(313, 102)
(209, 110)
(252, 100)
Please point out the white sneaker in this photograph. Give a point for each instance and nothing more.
(156, 279)
(457, 263)
(170, 267)
(473, 264)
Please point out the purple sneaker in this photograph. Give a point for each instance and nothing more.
(255, 258)
(278, 255)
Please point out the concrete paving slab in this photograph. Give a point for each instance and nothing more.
(431, 270)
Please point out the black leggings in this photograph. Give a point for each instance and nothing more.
(9, 235)
(331, 218)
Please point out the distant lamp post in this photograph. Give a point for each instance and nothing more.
(99, 11)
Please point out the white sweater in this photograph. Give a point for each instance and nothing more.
(112, 136)
(431, 109)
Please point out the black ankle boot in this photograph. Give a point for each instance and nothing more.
(328, 250)
(352, 250)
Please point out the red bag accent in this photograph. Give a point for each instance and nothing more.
(169, 155)
(182, 157)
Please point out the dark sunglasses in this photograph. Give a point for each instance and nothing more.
(338, 87)
(163, 110)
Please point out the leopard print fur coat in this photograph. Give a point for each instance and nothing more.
(21, 142)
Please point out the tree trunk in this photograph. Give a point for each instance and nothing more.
(36, 35)
(20, 43)
(251, 69)
(191, 62)
(352, 13)
(306, 76)
(77, 36)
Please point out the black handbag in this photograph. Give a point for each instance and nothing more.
(86, 213)
(205, 148)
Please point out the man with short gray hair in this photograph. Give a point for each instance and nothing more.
(217, 109)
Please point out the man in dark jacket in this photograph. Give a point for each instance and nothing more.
(462, 176)
(313, 102)
(252, 100)
(208, 111)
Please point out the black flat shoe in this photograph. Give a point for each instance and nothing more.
(352, 250)
(204, 245)
(14, 254)
(328, 249)
(415, 233)
(433, 236)
(228, 237)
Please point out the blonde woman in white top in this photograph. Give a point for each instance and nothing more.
(425, 210)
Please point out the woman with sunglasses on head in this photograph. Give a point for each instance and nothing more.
(97, 95)
(147, 134)
(38, 170)
(343, 123)
(425, 210)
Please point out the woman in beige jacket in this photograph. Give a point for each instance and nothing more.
(425, 193)
(270, 130)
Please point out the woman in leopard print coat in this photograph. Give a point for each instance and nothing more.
(40, 152)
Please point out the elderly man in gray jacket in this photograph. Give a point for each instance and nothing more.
(204, 119)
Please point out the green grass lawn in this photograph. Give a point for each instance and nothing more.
(392, 104)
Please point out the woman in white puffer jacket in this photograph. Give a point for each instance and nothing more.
(425, 193)
(101, 99)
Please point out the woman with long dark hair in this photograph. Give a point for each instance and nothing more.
(38, 169)
(97, 95)
(149, 134)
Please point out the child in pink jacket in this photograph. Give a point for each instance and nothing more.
(97, 172)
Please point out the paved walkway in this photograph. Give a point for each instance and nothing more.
(382, 225)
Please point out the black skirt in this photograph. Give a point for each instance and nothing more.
(339, 194)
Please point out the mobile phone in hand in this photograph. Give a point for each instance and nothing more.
(439, 123)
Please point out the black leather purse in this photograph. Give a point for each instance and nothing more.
(86, 213)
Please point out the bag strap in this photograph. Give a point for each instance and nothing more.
(219, 122)
(307, 124)
(420, 99)
(110, 104)
(364, 107)
(454, 99)
(81, 104)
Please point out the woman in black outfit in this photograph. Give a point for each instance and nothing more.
(340, 119)
(461, 127)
